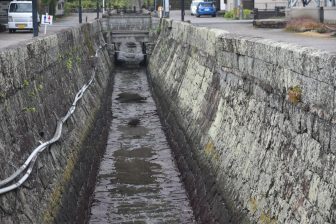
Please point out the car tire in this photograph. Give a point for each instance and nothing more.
(197, 15)
(214, 15)
(13, 30)
(10, 30)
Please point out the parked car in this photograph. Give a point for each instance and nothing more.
(206, 8)
(193, 7)
(20, 16)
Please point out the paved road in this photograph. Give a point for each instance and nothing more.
(323, 42)
(12, 39)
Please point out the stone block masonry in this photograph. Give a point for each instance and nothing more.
(38, 82)
(256, 152)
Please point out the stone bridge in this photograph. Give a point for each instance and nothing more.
(251, 121)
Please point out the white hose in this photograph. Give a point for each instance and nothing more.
(58, 132)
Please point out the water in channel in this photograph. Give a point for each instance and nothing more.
(138, 181)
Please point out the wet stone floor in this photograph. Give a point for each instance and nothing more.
(138, 181)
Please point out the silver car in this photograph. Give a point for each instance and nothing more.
(193, 7)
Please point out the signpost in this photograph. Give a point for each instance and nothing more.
(35, 23)
(182, 10)
(46, 20)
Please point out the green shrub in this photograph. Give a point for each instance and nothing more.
(247, 13)
(87, 4)
(68, 6)
(234, 13)
(229, 14)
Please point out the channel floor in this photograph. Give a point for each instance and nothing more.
(138, 181)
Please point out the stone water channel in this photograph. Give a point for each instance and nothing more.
(138, 181)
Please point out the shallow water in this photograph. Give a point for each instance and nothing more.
(138, 181)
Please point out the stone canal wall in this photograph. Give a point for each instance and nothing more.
(38, 83)
(253, 123)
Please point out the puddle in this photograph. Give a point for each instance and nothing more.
(142, 171)
(138, 131)
(130, 98)
(140, 152)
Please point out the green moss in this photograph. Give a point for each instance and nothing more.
(25, 83)
(29, 109)
(57, 195)
(68, 64)
(88, 42)
(2, 95)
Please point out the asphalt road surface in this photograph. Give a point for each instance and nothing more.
(242, 27)
(245, 27)
(19, 37)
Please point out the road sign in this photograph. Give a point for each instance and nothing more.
(47, 19)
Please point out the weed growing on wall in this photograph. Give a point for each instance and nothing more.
(25, 83)
(294, 94)
(29, 109)
(68, 64)
(2, 95)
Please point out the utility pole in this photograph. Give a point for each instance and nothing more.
(182, 10)
(97, 9)
(35, 24)
(80, 11)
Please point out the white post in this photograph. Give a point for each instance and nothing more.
(45, 25)
(103, 7)
(166, 8)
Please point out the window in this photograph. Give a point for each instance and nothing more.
(20, 7)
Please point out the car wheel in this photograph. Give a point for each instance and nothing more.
(213, 15)
(198, 15)
(13, 30)
(10, 30)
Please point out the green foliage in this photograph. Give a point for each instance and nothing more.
(234, 13)
(29, 109)
(247, 13)
(120, 3)
(229, 14)
(39, 88)
(2, 95)
(36, 90)
(69, 64)
(88, 4)
(68, 6)
(25, 83)
(78, 60)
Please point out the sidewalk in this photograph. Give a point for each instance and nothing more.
(7, 39)
(245, 27)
